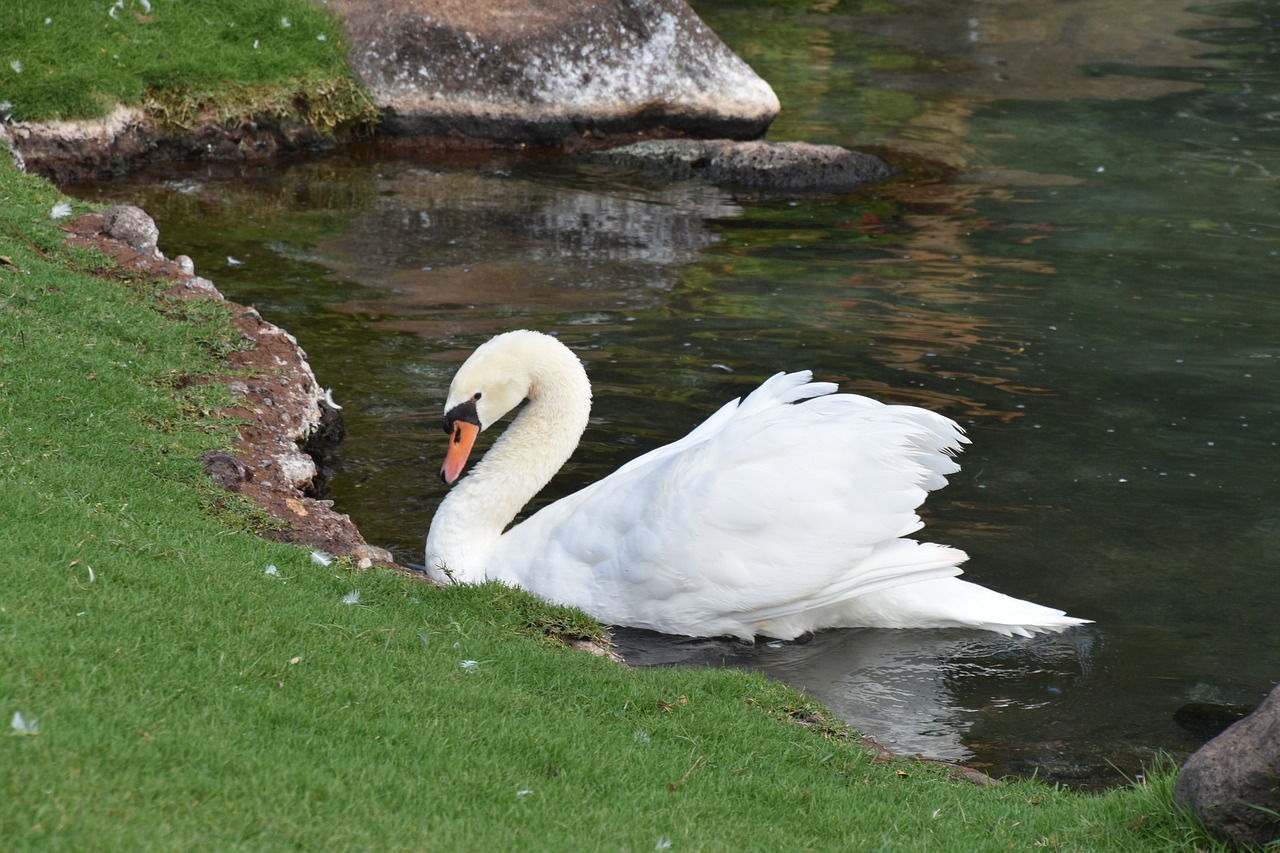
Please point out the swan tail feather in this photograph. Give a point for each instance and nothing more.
(954, 603)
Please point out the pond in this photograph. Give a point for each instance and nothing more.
(1092, 295)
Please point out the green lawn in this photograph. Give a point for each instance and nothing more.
(176, 693)
(70, 59)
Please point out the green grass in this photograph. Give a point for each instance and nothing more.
(186, 698)
(68, 59)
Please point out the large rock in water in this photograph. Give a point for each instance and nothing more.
(551, 71)
(1232, 783)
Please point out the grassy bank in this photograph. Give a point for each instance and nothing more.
(161, 687)
(66, 59)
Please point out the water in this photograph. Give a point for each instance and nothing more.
(1093, 297)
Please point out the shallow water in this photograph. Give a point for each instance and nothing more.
(1093, 297)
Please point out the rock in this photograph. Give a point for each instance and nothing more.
(296, 468)
(367, 555)
(197, 286)
(770, 166)
(551, 71)
(134, 227)
(1232, 783)
(323, 442)
(225, 470)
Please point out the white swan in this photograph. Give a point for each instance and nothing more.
(780, 515)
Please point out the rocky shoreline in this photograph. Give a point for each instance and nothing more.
(286, 418)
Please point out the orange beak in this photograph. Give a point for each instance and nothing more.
(461, 441)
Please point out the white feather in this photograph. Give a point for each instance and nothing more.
(24, 725)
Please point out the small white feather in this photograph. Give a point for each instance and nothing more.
(24, 725)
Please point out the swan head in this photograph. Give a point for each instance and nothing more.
(496, 378)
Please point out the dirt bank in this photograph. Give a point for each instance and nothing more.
(284, 416)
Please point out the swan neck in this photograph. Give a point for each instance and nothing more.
(538, 442)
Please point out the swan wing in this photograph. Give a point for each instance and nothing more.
(766, 519)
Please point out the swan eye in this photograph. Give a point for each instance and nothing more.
(475, 397)
(463, 413)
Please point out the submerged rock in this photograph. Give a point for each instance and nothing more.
(551, 71)
(777, 166)
(1207, 720)
(1232, 783)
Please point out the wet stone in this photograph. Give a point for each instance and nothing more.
(551, 71)
(768, 166)
(1232, 783)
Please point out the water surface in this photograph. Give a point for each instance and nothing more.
(1093, 297)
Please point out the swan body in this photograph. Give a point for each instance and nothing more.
(781, 514)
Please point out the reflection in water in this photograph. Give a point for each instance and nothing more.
(909, 688)
(1037, 51)
(1090, 298)
(912, 73)
(447, 262)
